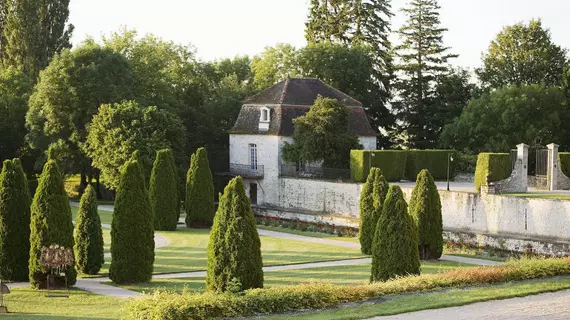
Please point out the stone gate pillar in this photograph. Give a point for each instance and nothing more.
(552, 172)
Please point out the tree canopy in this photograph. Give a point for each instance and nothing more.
(322, 134)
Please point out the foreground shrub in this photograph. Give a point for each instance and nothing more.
(495, 165)
(199, 202)
(132, 234)
(367, 214)
(50, 223)
(163, 192)
(14, 222)
(171, 306)
(395, 247)
(425, 208)
(234, 250)
(89, 252)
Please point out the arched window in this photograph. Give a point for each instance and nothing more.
(265, 114)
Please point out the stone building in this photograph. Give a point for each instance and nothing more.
(265, 123)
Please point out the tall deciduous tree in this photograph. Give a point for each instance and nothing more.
(34, 31)
(51, 223)
(163, 191)
(15, 90)
(14, 222)
(89, 252)
(322, 134)
(234, 250)
(422, 59)
(132, 234)
(523, 54)
(275, 64)
(199, 202)
(110, 142)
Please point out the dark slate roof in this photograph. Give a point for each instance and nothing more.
(290, 99)
(300, 92)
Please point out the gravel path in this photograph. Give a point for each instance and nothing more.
(546, 306)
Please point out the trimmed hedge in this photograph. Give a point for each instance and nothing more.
(89, 252)
(163, 192)
(564, 158)
(425, 208)
(497, 166)
(14, 222)
(391, 162)
(199, 203)
(172, 306)
(50, 223)
(395, 246)
(234, 250)
(433, 160)
(132, 233)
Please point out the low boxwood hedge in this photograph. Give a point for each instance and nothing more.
(170, 306)
(391, 162)
(564, 158)
(497, 166)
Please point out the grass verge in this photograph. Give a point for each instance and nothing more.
(551, 196)
(309, 233)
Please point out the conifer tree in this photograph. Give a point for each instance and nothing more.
(89, 252)
(423, 59)
(132, 234)
(425, 208)
(371, 199)
(50, 223)
(234, 250)
(14, 222)
(199, 202)
(163, 192)
(395, 247)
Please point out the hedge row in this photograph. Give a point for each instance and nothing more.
(399, 164)
(497, 166)
(168, 305)
(564, 158)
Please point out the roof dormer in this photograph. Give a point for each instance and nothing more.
(264, 119)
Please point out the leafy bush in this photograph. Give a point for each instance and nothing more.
(50, 223)
(564, 158)
(199, 202)
(14, 222)
(433, 160)
(234, 250)
(163, 192)
(391, 162)
(89, 252)
(425, 208)
(132, 233)
(497, 166)
(466, 163)
(367, 213)
(395, 246)
(171, 306)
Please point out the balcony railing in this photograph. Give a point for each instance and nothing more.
(246, 170)
(315, 172)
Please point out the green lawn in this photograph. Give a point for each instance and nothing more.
(417, 302)
(344, 275)
(309, 233)
(539, 195)
(31, 304)
(106, 216)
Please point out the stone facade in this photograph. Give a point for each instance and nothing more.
(518, 181)
(557, 180)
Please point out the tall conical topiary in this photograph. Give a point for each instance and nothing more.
(14, 222)
(132, 233)
(425, 208)
(199, 202)
(234, 250)
(163, 192)
(50, 223)
(89, 252)
(371, 198)
(395, 247)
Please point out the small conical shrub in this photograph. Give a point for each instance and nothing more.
(132, 233)
(199, 202)
(234, 250)
(379, 192)
(50, 223)
(14, 222)
(369, 208)
(395, 247)
(425, 208)
(163, 192)
(89, 252)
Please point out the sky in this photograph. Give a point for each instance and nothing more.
(225, 28)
